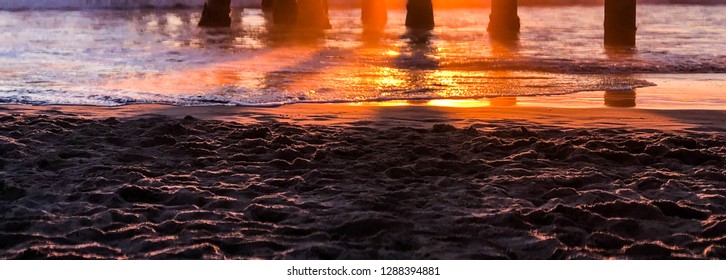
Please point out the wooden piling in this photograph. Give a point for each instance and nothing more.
(216, 14)
(620, 26)
(374, 13)
(504, 20)
(420, 14)
(313, 14)
(284, 12)
(268, 5)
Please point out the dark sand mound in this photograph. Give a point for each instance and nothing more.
(162, 188)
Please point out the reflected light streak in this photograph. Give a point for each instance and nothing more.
(387, 77)
(446, 78)
(392, 53)
(248, 72)
(446, 103)
(459, 103)
(392, 103)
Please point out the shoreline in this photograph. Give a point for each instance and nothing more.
(670, 92)
(458, 113)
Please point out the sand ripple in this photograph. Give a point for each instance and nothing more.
(191, 189)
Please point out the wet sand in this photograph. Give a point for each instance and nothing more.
(361, 182)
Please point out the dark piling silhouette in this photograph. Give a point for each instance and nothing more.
(216, 14)
(420, 14)
(284, 12)
(374, 14)
(620, 99)
(313, 14)
(268, 5)
(620, 26)
(504, 20)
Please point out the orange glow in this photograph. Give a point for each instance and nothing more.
(393, 103)
(251, 72)
(504, 101)
(392, 53)
(388, 78)
(311, 69)
(459, 103)
(444, 4)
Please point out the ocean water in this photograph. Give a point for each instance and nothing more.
(120, 55)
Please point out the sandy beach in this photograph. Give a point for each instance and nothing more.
(364, 181)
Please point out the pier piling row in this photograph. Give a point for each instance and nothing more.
(619, 26)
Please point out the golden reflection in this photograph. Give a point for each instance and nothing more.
(450, 103)
(447, 83)
(392, 53)
(305, 64)
(504, 101)
(388, 77)
(447, 103)
(263, 70)
(459, 103)
(392, 103)
(445, 78)
(278, 69)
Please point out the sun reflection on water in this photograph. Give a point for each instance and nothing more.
(459, 103)
(445, 103)
(164, 58)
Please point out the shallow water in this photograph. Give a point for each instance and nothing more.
(117, 57)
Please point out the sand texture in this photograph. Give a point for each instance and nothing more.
(188, 188)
